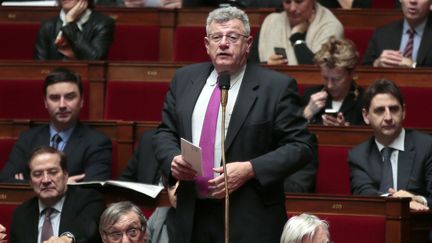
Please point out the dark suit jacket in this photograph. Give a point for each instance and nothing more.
(80, 216)
(266, 128)
(414, 166)
(87, 151)
(351, 106)
(92, 43)
(143, 166)
(389, 37)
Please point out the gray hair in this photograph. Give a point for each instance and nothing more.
(225, 14)
(300, 226)
(115, 210)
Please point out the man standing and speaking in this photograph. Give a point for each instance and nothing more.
(266, 139)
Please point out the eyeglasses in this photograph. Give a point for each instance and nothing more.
(230, 37)
(131, 233)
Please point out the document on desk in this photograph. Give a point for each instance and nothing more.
(192, 154)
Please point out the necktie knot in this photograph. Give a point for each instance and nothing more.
(386, 153)
(56, 140)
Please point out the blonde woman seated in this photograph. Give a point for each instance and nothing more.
(339, 94)
(305, 228)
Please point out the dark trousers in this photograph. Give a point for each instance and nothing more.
(208, 221)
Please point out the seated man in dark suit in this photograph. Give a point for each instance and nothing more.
(404, 43)
(78, 32)
(395, 161)
(58, 212)
(88, 151)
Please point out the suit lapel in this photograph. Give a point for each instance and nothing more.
(195, 87)
(425, 45)
(405, 162)
(375, 162)
(74, 139)
(32, 222)
(245, 100)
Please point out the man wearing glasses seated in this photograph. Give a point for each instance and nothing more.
(123, 222)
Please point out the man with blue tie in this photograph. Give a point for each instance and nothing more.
(88, 151)
(396, 162)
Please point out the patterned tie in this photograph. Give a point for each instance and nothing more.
(56, 140)
(408, 51)
(47, 229)
(207, 142)
(387, 172)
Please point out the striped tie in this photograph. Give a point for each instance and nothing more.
(47, 229)
(409, 46)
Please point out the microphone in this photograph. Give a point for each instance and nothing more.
(224, 81)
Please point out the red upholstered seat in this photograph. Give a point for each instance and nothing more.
(6, 212)
(189, 44)
(345, 228)
(23, 99)
(333, 171)
(383, 4)
(415, 101)
(360, 37)
(6, 145)
(135, 42)
(18, 40)
(135, 101)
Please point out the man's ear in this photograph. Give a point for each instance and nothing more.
(404, 110)
(207, 43)
(365, 115)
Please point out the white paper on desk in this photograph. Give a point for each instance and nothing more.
(192, 154)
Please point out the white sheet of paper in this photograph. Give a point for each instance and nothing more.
(192, 154)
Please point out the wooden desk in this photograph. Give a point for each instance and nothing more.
(402, 225)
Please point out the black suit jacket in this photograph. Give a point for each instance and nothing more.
(389, 37)
(143, 166)
(92, 43)
(87, 151)
(351, 106)
(414, 166)
(80, 216)
(266, 127)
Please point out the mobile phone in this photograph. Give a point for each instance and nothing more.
(280, 51)
(331, 112)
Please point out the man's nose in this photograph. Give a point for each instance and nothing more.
(387, 114)
(292, 7)
(62, 102)
(224, 43)
(125, 238)
(46, 178)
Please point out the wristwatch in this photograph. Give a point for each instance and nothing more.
(68, 235)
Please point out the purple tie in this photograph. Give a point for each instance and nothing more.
(207, 142)
(47, 230)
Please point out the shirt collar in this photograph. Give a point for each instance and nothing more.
(398, 143)
(212, 80)
(418, 30)
(58, 206)
(65, 135)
